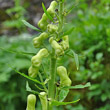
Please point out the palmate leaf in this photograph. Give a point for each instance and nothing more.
(16, 52)
(45, 11)
(78, 86)
(22, 74)
(29, 89)
(57, 103)
(31, 26)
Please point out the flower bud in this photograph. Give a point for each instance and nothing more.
(31, 101)
(52, 28)
(44, 17)
(43, 53)
(38, 40)
(43, 22)
(52, 7)
(32, 72)
(37, 59)
(43, 99)
(58, 49)
(64, 79)
(65, 42)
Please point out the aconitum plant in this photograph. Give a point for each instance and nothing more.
(51, 28)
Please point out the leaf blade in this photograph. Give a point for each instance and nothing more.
(63, 94)
(69, 31)
(16, 52)
(22, 74)
(28, 88)
(57, 103)
(31, 26)
(45, 11)
(76, 58)
(78, 86)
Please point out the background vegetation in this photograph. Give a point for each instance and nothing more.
(90, 40)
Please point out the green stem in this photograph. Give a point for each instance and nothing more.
(61, 10)
(57, 93)
(51, 86)
(40, 76)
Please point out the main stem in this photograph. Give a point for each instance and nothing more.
(61, 10)
(51, 86)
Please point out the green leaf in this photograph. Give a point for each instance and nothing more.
(69, 11)
(22, 74)
(78, 86)
(16, 52)
(69, 31)
(76, 59)
(57, 103)
(73, 55)
(73, 6)
(63, 93)
(39, 87)
(45, 11)
(29, 89)
(31, 26)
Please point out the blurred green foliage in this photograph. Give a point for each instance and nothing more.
(90, 40)
(17, 14)
(12, 85)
